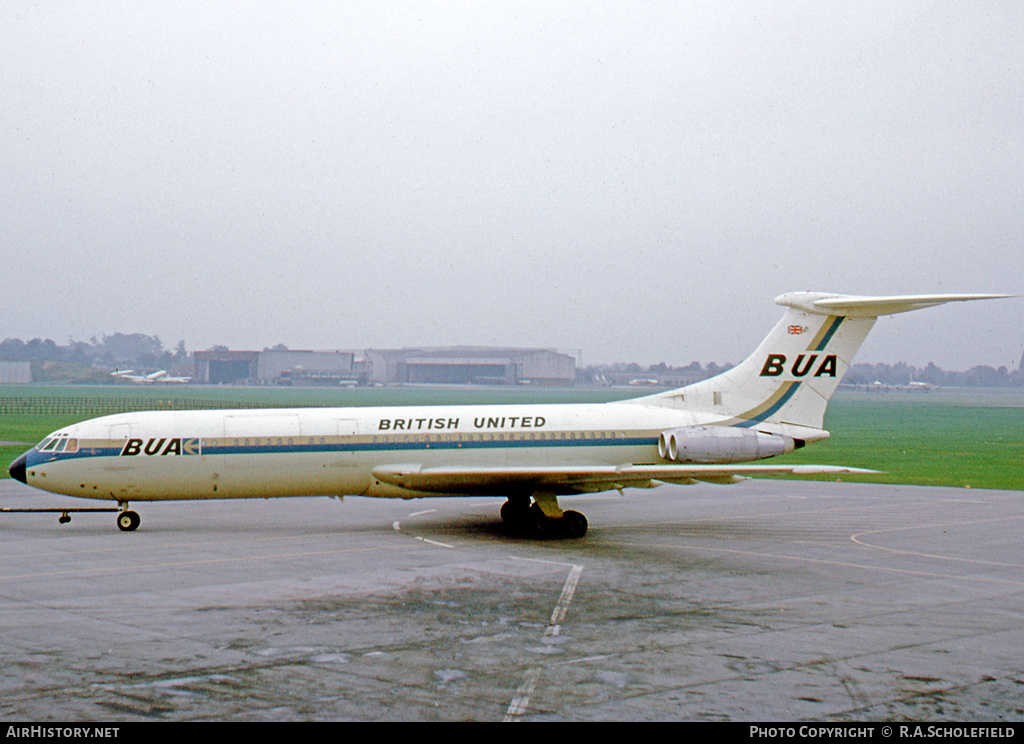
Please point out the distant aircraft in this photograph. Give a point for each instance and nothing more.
(153, 377)
(713, 430)
(129, 374)
(172, 379)
(883, 387)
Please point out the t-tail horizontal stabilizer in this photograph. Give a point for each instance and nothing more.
(855, 306)
(785, 385)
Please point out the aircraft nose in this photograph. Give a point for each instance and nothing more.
(17, 469)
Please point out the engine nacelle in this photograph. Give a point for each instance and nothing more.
(721, 444)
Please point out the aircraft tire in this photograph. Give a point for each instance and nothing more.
(128, 521)
(574, 525)
(545, 527)
(516, 514)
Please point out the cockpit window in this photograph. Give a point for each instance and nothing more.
(58, 444)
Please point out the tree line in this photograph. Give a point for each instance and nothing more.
(981, 375)
(119, 350)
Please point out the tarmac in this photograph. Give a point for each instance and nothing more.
(769, 600)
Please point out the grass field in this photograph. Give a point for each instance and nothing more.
(963, 438)
(940, 441)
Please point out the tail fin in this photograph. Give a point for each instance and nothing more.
(789, 379)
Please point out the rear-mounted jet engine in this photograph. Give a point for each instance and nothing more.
(722, 444)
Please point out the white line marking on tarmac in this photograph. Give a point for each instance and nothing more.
(521, 701)
(859, 539)
(397, 527)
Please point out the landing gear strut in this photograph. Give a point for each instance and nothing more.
(543, 518)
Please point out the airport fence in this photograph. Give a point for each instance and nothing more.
(102, 406)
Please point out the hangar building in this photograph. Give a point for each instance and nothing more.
(469, 365)
(275, 367)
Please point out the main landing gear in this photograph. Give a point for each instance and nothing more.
(542, 518)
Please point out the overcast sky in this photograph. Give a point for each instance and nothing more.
(635, 180)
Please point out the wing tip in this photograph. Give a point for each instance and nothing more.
(833, 469)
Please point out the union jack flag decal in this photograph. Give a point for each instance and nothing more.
(795, 330)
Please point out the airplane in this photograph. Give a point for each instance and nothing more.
(713, 431)
(160, 376)
(173, 379)
(128, 374)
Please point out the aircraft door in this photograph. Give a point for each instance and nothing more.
(121, 470)
(118, 434)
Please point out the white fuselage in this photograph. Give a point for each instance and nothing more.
(332, 451)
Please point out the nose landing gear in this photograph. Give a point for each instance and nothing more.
(127, 520)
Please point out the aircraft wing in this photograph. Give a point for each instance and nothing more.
(501, 480)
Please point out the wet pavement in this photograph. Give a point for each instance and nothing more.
(764, 601)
